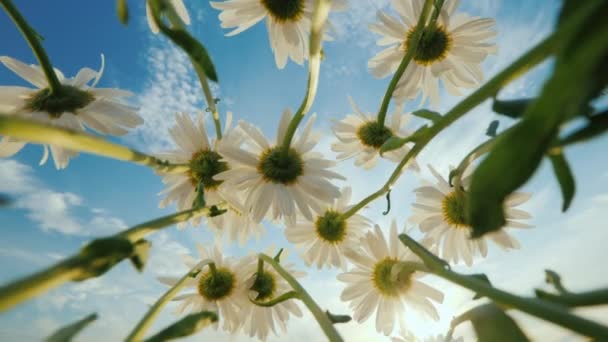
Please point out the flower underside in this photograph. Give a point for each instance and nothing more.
(280, 168)
(284, 10)
(203, 166)
(384, 280)
(65, 99)
(453, 208)
(331, 227)
(216, 285)
(433, 47)
(373, 134)
(264, 285)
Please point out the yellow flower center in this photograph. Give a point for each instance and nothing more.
(203, 166)
(216, 285)
(453, 208)
(386, 281)
(331, 227)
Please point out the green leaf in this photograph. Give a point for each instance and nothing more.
(193, 48)
(483, 277)
(427, 114)
(492, 324)
(141, 251)
(564, 176)
(65, 334)
(100, 255)
(392, 143)
(338, 318)
(186, 326)
(492, 128)
(122, 11)
(598, 124)
(511, 108)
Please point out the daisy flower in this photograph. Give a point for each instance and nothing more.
(325, 239)
(288, 23)
(359, 135)
(451, 51)
(378, 282)
(174, 8)
(222, 289)
(76, 104)
(261, 321)
(196, 149)
(275, 183)
(440, 213)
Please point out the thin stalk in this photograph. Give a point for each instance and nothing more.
(210, 100)
(319, 17)
(138, 332)
(73, 267)
(32, 131)
(524, 63)
(320, 315)
(589, 298)
(481, 149)
(33, 41)
(409, 54)
(548, 311)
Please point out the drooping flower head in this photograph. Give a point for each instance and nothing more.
(76, 104)
(288, 23)
(360, 136)
(451, 51)
(198, 151)
(278, 185)
(261, 321)
(324, 240)
(222, 289)
(440, 213)
(173, 8)
(380, 283)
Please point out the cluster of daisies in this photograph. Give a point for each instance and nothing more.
(259, 179)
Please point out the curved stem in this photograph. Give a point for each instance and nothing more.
(74, 267)
(589, 298)
(79, 141)
(33, 40)
(209, 99)
(550, 312)
(277, 300)
(320, 315)
(524, 63)
(409, 54)
(319, 17)
(481, 149)
(138, 332)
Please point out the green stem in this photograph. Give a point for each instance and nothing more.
(483, 148)
(524, 63)
(72, 267)
(319, 17)
(409, 54)
(210, 100)
(589, 298)
(320, 315)
(138, 332)
(33, 131)
(550, 312)
(278, 300)
(33, 41)
(436, 12)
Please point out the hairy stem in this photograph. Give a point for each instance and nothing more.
(320, 315)
(33, 40)
(138, 332)
(75, 267)
(319, 17)
(548, 311)
(78, 141)
(409, 54)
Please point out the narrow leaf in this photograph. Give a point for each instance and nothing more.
(186, 326)
(511, 108)
(338, 318)
(122, 11)
(483, 277)
(492, 324)
(193, 48)
(65, 334)
(564, 176)
(100, 255)
(427, 114)
(392, 143)
(598, 124)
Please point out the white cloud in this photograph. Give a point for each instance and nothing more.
(53, 210)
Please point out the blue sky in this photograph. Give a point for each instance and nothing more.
(55, 212)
